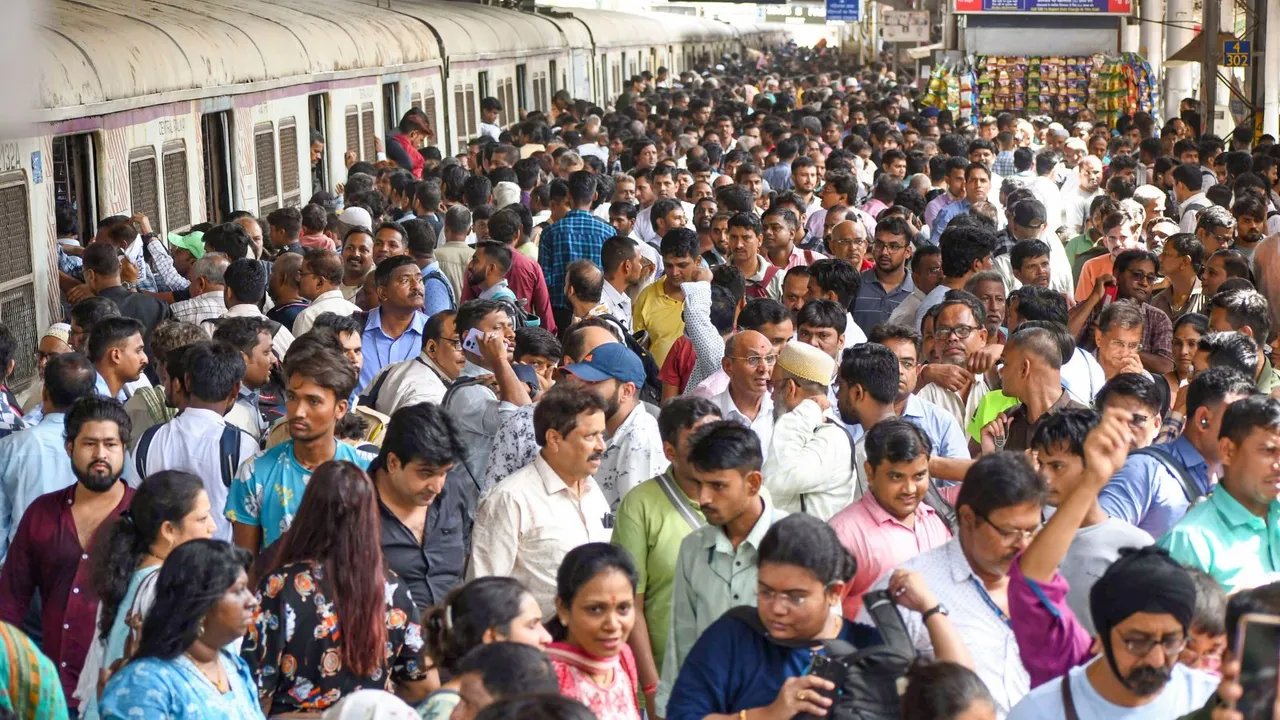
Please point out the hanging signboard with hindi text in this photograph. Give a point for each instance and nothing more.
(1047, 7)
(844, 10)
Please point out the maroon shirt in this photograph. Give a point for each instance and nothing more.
(46, 556)
(528, 283)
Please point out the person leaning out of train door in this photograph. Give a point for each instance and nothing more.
(414, 130)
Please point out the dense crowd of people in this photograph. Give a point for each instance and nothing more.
(766, 392)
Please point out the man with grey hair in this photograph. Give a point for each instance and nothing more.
(568, 163)
(207, 284)
(1076, 198)
(455, 253)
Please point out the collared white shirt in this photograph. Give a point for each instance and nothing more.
(762, 425)
(191, 442)
(247, 415)
(853, 334)
(805, 440)
(331, 301)
(529, 522)
(409, 382)
(644, 223)
(280, 341)
(209, 306)
(634, 454)
(618, 303)
(987, 635)
(962, 410)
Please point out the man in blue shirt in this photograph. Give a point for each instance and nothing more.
(393, 330)
(117, 352)
(437, 292)
(576, 234)
(977, 185)
(1149, 490)
(35, 462)
(267, 490)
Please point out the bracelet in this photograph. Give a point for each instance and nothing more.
(650, 688)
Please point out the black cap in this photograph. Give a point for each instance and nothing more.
(1029, 213)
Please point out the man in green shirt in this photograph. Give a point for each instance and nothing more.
(653, 519)
(716, 567)
(1086, 243)
(1235, 535)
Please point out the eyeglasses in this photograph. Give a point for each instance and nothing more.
(1122, 346)
(754, 361)
(455, 342)
(1142, 645)
(891, 247)
(44, 356)
(847, 241)
(1009, 537)
(1152, 278)
(960, 331)
(792, 600)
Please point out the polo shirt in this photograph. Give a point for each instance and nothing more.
(1221, 537)
(874, 304)
(381, 350)
(1090, 272)
(1146, 493)
(433, 567)
(651, 529)
(660, 314)
(268, 488)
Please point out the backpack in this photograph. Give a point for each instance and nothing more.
(761, 289)
(439, 276)
(228, 451)
(868, 681)
(637, 343)
(1188, 483)
(520, 317)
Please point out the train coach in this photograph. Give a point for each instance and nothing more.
(187, 110)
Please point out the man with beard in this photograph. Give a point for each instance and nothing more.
(267, 490)
(357, 261)
(866, 388)
(529, 521)
(1232, 536)
(423, 517)
(886, 285)
(393, 330)
(806, 436)
(487, 270)
(50, 551)
(623, 272)
(998, 511)
(633, 446)
(118, 354)
(319, 283)
(717, 564)
(1135, 273)
(1250, 212)
(1142, 605)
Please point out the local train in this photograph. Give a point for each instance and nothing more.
(187, 109)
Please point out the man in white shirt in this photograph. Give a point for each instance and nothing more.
(245, 286)
(425, 378)
(199, 441)
(748, 361)
(1077, 198)
(1188, 190)
(806, 436)
(531, 520)
(664, 187)
(623, 272)
(319, 283)
(206, 303)
(633, 452)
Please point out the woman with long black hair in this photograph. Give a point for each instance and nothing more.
(333, 619)
(181, 669)
(169, 509)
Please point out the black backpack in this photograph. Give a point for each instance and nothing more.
(869, 681)
(638, 344)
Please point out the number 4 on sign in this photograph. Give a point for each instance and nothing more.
(1236, 53)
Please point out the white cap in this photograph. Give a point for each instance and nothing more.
(356, 217)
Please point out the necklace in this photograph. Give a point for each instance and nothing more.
(219, 679)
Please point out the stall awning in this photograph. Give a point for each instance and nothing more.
(1194, 50)
(922, 52)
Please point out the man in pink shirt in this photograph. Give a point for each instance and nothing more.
(890, 523)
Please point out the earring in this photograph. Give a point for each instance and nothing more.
(200, 630)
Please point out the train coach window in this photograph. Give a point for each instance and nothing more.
(460, 115)
(522, 89)
(17, 281)
(317, 112)
(509, 104)
(290, 186)
(177, 200)
(390, 107)
(471, 110)
(482, 81)
(264, 157)
(429, 107)
(554, 87)
(416, 101)
(73, 162)
(368, 127)
(144, 188)
(353, 129)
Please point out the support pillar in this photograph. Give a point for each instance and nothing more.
(1180, 18)
(1151, 35)
(1271, 70)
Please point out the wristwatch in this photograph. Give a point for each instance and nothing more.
(938, 609)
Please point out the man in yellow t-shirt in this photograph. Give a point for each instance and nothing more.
(659, 309)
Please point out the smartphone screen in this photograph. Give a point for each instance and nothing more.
(1258, 648)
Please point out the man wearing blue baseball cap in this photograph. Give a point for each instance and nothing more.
(633, 450)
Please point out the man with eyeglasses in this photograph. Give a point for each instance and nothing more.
(1143, 606)
(848, 242)
(1157, 484)
(1135, 274)
(1215, 229)
(998, 510)
(749, 358)
(887, 284)
(958, 334)
(425, 378)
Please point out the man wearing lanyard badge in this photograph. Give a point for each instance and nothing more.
(998, 509)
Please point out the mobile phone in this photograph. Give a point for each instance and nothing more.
(1258, 650)
(471, 343)
(831, 670)
(1109, 294)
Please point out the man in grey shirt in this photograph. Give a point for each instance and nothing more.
(1058, 444)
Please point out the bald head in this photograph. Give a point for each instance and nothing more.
(582, 341)
(744, 362)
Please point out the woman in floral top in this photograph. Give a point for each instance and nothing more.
(332, 618)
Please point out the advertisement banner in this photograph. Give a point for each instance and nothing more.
(1046, 7)
(905, 25)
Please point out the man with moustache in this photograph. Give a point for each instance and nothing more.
(50, 552)
(749, 358)
(393, 330)
(357, 261)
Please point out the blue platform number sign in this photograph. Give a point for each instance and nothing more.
(37, 171)
(1236, 53)
(844, 10)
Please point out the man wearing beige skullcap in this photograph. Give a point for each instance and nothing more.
(809, 467)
